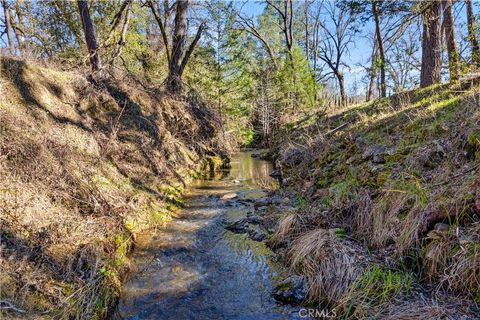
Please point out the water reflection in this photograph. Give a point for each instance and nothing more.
(194, 269)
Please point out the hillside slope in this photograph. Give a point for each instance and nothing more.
(387, 218)
(84, 165)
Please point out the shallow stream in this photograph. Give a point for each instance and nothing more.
(195, 269)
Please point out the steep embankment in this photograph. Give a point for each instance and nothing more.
(387, 218)
(84, 165)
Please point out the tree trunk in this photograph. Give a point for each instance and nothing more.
(453, 57)
(174, 81)
(8, 26)
(19, 28)
(373, 72)
(381, 52)
(90, 37)
(307, 36)
(472, 36)
(431, 46)
(341, 85)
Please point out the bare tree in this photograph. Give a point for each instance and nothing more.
(472, 36)
(315, 11)
(126, 6)
(286, 15)
(90, 37)
(123, 32)
(449, 29)
(8, 26)
(162, 24)
(403, 64)
(178, 56)
(19, 27)
(249, 26)
(431, 45)
(337, 35)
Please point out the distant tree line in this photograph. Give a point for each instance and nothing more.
(262, 65)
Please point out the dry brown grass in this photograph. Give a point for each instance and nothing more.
(329, 264)
(84, 166)
(452, 259)
(424, 308)
(437, 252)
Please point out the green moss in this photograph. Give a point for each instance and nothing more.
(131, 225)
(172, 191)
(122, 243)
(341, 190)
(210, 165)
(301, 202)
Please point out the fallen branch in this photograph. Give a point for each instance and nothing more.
(475, 167)
(7, 305)
(340, 127)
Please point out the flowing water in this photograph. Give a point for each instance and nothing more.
(195, 269)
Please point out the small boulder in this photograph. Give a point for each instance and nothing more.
(291, 290)
(239, 226)
(441, 227)
(377, 153)
(434, 156)
(253, 219)
(228, 196)
(378, 158)
(262, 202)
(374, 168)
(276, 174)
(277, 201)
(256, 234)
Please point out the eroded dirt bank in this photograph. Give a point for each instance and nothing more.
(85, 165)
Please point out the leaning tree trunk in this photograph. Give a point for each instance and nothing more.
(453, 57)
(431, 46)
(90, 37)
(8, 26)
(174, 79)
(472, 36)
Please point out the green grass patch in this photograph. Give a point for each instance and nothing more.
(375, 287)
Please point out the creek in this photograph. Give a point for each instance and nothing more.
(193, 268)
